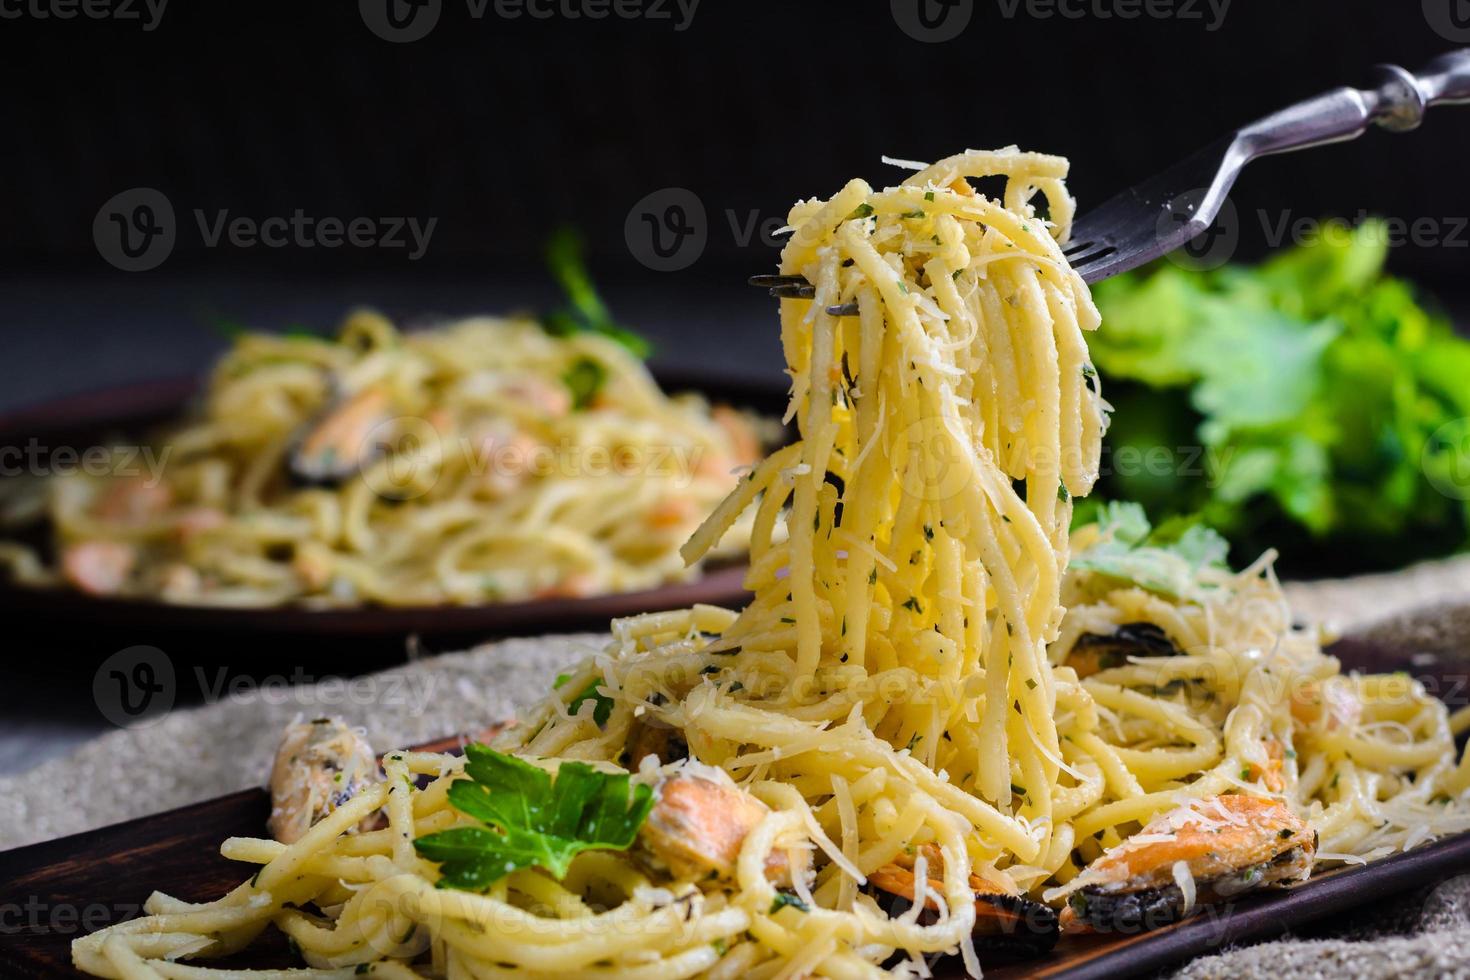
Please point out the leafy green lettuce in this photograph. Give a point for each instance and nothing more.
(1167, 560)
(1310, 400)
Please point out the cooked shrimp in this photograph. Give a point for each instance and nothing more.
(132, 500)
(1331, 704)
(1225, 846)
(98, 567)
(576, 585)
(520, 392)
(1270, 774)
(673, 512)
(504, 456)
(179, 582)
(313, 564)
(745, 444)
(197, 520)
(319, 766)
(698, 824)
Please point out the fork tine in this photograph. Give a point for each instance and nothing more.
(1157, 216)
(1140, 224)
(805, 291)
(796, 287)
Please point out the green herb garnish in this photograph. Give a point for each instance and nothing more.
(783, 899)
(530, 819)
(604, 707)
(584, 379)
(585, 311)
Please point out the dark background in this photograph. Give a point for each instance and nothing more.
(502, 128)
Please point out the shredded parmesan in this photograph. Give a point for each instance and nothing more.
(905, 164)
(1185, 881)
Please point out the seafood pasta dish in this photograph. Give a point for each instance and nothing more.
(482, 461)
(945, 725)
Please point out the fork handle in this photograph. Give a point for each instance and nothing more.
(1397, 104)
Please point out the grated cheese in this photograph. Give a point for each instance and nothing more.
(1185, 881)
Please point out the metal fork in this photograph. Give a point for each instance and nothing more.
(1168, 211)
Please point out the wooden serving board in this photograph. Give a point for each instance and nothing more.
(61, 889)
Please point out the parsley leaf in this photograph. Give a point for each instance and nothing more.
(586, 312)
(531, 820)
(604, 704)
(784, 899)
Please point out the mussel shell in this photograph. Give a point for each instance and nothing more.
(1140, 639)
(1018, 928)
(350, 417)
(316, 470)
(1027, 928)
(1132, 911)
(1139, 909)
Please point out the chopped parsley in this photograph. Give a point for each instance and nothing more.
(783, 899)
(584, 379)
(604, 704)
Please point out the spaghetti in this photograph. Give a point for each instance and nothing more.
(482, 461)
(904, 708)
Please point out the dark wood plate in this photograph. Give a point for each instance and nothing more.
(369, 636)
(58, 890)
